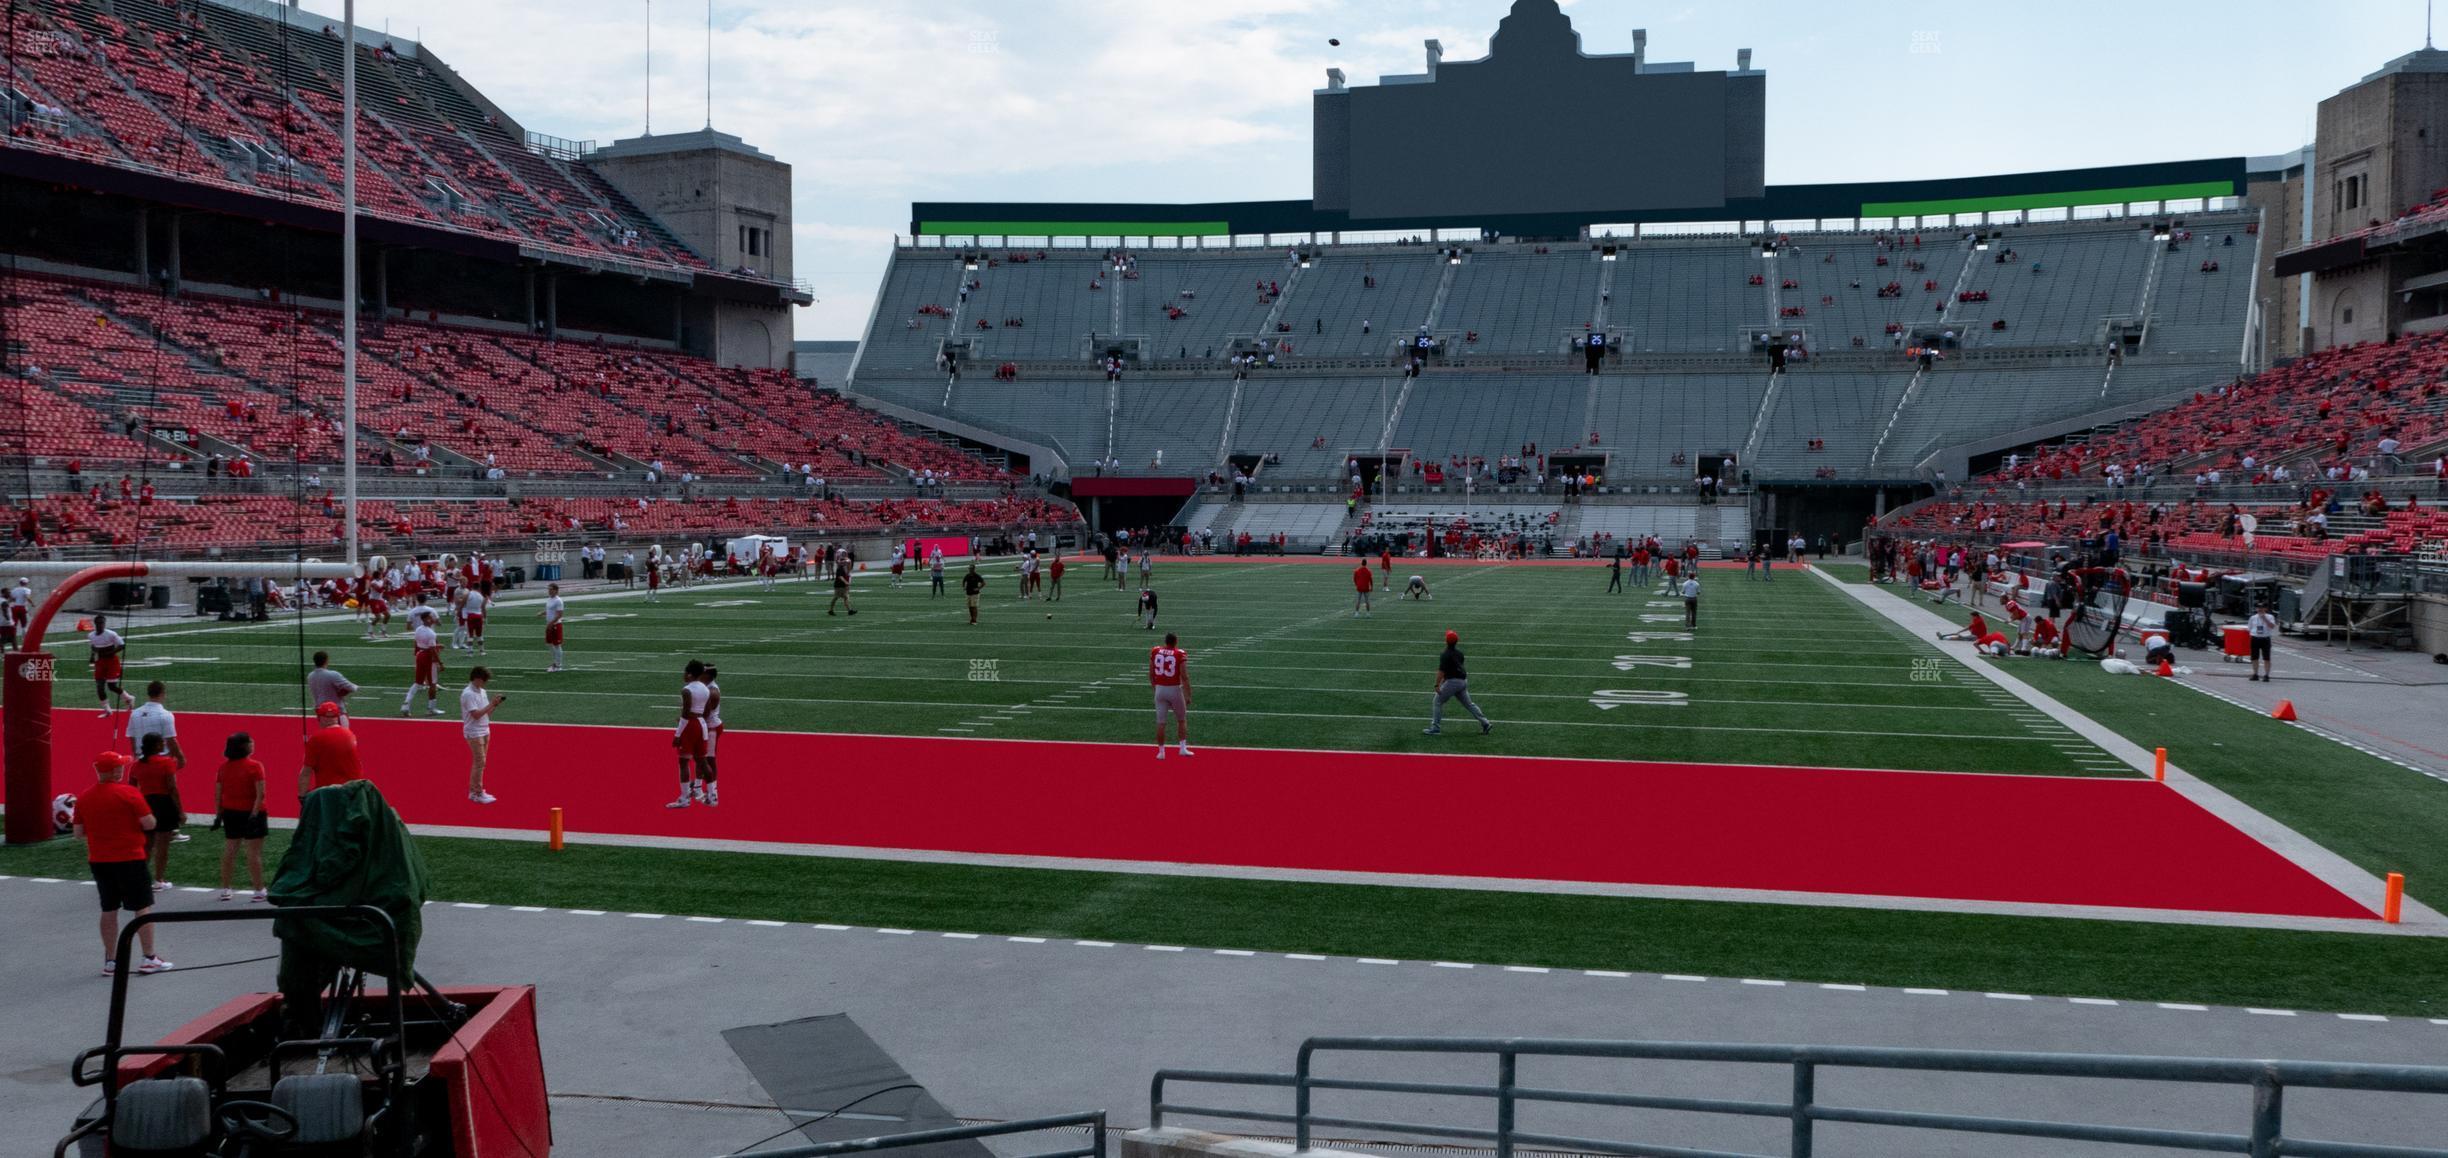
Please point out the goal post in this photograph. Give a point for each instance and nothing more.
(26, 673)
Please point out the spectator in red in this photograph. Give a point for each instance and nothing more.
(113, 820)
(331, 753)
(156, 779)
(239, 797)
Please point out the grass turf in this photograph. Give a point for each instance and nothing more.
(2126, 960)
(1788, 672)
(1792, 672)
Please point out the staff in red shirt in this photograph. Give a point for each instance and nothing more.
(1054, 572)
(238, 795)
(1363, 581)
(1169, 674)
(112, 819)
(331, 753)
(156, 779)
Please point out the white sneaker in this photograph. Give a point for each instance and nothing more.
(1160, 751)
(1185, 750)
(698, 793)
(259, 898)
(683, 802)
(712, 798)
(225, 894)
(403, 709)
(552, 669)
(435, 712)
(482, 797)
(155, 965)
(109, 967)
(161, 886)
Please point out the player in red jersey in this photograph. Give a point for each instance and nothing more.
(1363, 581)
(1385, 562)
(1975, 630)
(1169, 675)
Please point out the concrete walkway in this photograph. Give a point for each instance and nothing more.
(2382, 703)
(1001, 1027)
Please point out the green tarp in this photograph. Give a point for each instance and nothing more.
(350, 849)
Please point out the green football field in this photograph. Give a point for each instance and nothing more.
(1796, 671)
(1788, 672)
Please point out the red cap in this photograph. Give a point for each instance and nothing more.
(110, 762)
(1453, 637)
(327, 711)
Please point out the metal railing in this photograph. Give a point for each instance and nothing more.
(1093, 1120)
(2264, 1135)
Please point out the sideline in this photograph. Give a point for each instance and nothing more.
(2338, 872)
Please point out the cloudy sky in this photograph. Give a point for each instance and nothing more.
(878, 103)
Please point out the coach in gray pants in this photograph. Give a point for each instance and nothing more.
(1453, 683)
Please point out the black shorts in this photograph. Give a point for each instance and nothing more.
(2260, 647)
(167, 815)
(122, 884)
(243, 825)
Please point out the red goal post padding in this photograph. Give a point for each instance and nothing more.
(25, 684)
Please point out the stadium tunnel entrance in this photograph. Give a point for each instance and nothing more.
(1835, 512)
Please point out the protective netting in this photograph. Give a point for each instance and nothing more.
(2098, 607)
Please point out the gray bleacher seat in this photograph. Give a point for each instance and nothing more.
(1686, 300)
(1332, 293)
(1223, 301)
(1522, 303)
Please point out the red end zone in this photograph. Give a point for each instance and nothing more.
(2033, 839)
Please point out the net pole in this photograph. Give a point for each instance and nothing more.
(348, 272)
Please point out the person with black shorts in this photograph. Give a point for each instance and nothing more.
(156, 779)
(113, 821)
(2259, 630)
(238, 796)
(841, 585)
